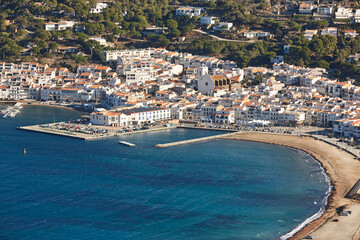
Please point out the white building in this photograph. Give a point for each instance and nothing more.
(257, 34)
(100, 40)
(189, 11)
(308, 34)
(115, 55)
(127, 117)
(59, 26)
(324, 10)
(305, 8)
(223, 26)
(344, 13)
(350, 33)
(208, 20)
(329, 31)
(99, 7)
(349, 127)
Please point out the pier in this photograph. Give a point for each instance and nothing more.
(172, 144)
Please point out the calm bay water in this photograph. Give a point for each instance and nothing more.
(71, 189)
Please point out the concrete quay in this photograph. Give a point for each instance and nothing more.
(77, 135)
(172, 144)
(146, 130)
(207, 128)
(112, 132)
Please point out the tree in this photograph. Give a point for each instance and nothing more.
(42, 34)
(78, 58)
(53, 46)
(10, 48)
(317, 46)
(294, 26)
(171, 24)
(258, 79)
(321, 64)
(163, 40)
(175, 32)
(318, 24)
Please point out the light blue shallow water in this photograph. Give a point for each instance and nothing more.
(71, 189)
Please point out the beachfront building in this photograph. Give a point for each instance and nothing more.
(107, 118)
(225, 116)
(132, 116)
(349, 128)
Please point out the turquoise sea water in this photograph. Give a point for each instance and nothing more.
(72, 189)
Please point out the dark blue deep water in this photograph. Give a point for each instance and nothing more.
(72, 189)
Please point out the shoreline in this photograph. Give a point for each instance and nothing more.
(327, 155)
(38, 103)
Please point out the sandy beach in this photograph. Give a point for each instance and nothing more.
(344, 171)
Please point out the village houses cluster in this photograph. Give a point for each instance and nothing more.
(151, 85)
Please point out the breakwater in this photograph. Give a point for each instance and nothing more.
(165, 145)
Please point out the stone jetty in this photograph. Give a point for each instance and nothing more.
(172, 144)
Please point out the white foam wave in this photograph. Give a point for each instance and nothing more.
(316, 215)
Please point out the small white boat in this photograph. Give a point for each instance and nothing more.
(127, 143)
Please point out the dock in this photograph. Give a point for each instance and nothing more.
(127, 143)
(172, 144)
